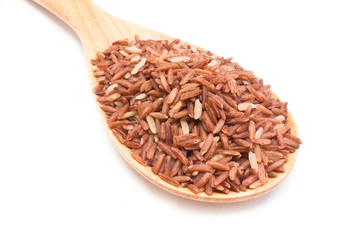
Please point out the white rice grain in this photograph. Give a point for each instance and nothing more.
(138, 66)
(259, 133)
(133, 49)
(125, 54)
(184, 126)
(128, 114)
(113, 97)
(135, 58)
(179, 59)
(197, 109)
(212, 63)
(255, 184)
(111, 88)
(152, 124)
(243, 106)
(141, 96)
(252, 161)
(127, 75)
(280, 118)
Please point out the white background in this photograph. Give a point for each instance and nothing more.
(60, 176)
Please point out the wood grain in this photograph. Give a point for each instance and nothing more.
(97, 30)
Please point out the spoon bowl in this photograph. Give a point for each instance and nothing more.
(97, 30)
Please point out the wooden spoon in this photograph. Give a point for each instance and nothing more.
(97, 30)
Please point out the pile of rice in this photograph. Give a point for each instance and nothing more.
(198, 120)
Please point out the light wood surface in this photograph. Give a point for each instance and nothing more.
(97, 30)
